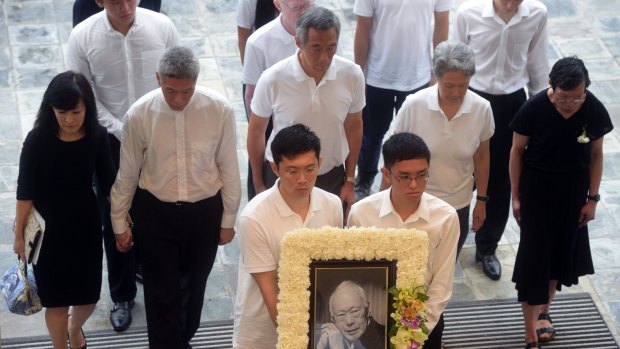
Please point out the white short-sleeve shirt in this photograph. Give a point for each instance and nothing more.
(291, 96)
(267, 46)
(399, 53)
(246, 14)
(452, 142)
(439, 220)
(262, 225)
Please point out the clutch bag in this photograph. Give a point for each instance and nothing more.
(33, 235)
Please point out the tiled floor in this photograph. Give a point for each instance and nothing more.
(33, 34)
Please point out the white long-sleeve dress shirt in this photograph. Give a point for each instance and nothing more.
(186, 155)
(121, 68)
(509, 55)
(440, 222)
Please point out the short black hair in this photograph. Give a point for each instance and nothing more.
(404, 146)
(568, 72)
(294, 140)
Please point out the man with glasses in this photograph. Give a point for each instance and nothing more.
(270, 44)
(405, 205)
(293, 202)
(316, 88)
(509, 40)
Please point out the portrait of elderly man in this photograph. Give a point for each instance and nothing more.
(352, 326)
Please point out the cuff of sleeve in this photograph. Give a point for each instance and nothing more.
(228, 220)
(119, 226)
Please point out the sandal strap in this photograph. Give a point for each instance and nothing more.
(545, 316)
(532, 345)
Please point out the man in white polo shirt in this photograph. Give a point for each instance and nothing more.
(406, 205)
(509, 40)
(318, 89)
(267, 46)
(293, 202)
(393, 47)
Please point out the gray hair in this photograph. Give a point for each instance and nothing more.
(453, 56)
(348, 286)
(178, 62)
(318, 18)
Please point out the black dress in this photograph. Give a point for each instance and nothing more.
(57, 176)
(553, 188)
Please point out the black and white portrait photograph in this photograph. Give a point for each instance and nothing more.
(349, 304)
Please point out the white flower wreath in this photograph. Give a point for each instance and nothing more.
(408, 247)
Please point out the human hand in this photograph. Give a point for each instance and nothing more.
(347, 196)
(124, 241)
(587, 213)
(478, 216)
(331, 337)
(226, 235)
(19, 247)
(516, 209)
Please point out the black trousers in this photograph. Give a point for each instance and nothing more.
(83, 9)
(121, 266)
(177, 251)
(381, 106)
(434, 338)
(463, 214)
(498, 207)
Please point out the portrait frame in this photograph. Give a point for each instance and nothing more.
(408, 248)
(374, 275)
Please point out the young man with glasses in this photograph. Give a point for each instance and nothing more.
(406, 205)
(293, 202)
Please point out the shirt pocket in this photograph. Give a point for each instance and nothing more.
(203, 156)
(149, 61)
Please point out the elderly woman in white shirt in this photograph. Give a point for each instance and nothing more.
(457, 125)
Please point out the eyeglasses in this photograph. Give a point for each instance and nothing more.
(572, 101)
(296, 172)
(300, 7)
(407, 178)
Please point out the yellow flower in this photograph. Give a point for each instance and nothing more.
(402, 339)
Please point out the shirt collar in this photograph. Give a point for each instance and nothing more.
(433, 101)
(387, 208)
(283, 208)
(300, 74)
(281, 32)
(489, 11)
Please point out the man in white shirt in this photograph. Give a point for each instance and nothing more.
(268, 45)
(293, 202)
(318, 89)
(179, 148)
(393, 47)
(251, 15)
(117, 51)
(509, 40)
(406, 205)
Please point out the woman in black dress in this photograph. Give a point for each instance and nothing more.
(556, 165)
(59, 157)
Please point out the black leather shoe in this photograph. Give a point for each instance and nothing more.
(362, 188)
(120, 316)
(490, 265)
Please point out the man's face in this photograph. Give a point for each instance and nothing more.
(507, 7)
(568, 102)
(120, 12)
(316, 55)
(408, 179)
(292, 9)
(297, 175)
(349, 315)
(177, 92)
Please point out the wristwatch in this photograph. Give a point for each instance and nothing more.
(595, 198)
(483, 198)
(349, 179)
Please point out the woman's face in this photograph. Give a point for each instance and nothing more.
(568, 102)
(70, 122)
(452, 86)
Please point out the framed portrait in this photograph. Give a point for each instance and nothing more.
(349, 302)
(314, 263)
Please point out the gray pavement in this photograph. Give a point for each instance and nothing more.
(33, 35)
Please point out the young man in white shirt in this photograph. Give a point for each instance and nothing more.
(393, 47)
(117, 51)
(318, 89)
(406, 205)
(293, 202)
(509, 40)
(179, 148)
